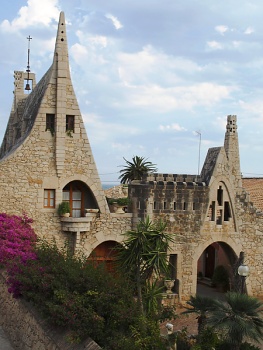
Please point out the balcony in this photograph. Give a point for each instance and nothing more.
(82, 224)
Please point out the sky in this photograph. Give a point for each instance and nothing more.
(155, 79)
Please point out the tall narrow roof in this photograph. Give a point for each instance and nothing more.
(25, 108)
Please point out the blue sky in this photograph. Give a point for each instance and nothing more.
(148, 75)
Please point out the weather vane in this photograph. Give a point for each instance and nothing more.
(28, 66)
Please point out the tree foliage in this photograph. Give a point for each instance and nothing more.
(83, 299)
(234, 321)
(238, 319)
(200, 305)
(135, 169)
(143, 256)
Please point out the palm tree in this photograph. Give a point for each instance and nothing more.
(135, 169)
(201, 306)
(239, 318)
(144, 253)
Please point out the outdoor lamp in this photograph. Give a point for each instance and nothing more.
(243, 271)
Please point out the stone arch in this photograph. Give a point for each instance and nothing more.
(236, 248)
(104, 253)
(79, 196)
(217, 253)
(94, 186)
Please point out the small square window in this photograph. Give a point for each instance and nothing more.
(49, 198)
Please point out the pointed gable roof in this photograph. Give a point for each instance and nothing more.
(24, 112)
(18, 128)
(210, 163)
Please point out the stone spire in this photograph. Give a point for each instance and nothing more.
(232, 149)
(61, 74)
(61, 49)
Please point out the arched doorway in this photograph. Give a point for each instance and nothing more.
(216, 254)
(104, 253)
(80, 197)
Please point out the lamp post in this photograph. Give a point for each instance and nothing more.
(243, 271)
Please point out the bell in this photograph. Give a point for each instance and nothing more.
(27, 87)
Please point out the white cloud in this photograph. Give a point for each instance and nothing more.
(254, 107)
(221, 29)
(35, 13)
(117, 24)
(98, 128)
(236, 44)
(172, 127)
(214, 45)
(149, 64)
(89, 49)
(95, 41)
(249, 31)
(79, 52)
(181, 97)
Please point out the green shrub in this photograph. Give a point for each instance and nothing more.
(63, 208)
(86, 300)
(124, 201)
(208, 339)
(221, 277)
(243, 346)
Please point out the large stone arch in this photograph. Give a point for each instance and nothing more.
(234, 245)
(104, 253)
(99, 239)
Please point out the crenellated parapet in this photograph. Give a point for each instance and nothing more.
(174, 179)
(170, 194)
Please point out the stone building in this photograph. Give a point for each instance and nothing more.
(46, 158)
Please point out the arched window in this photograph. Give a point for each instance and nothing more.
(79, 197)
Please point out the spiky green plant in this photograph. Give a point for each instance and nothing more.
(135, 169)
(238, 319)
(144, 254)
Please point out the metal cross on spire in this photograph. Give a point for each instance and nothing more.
(28, 65)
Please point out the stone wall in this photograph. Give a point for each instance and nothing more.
(27, 331)
(185, 205)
